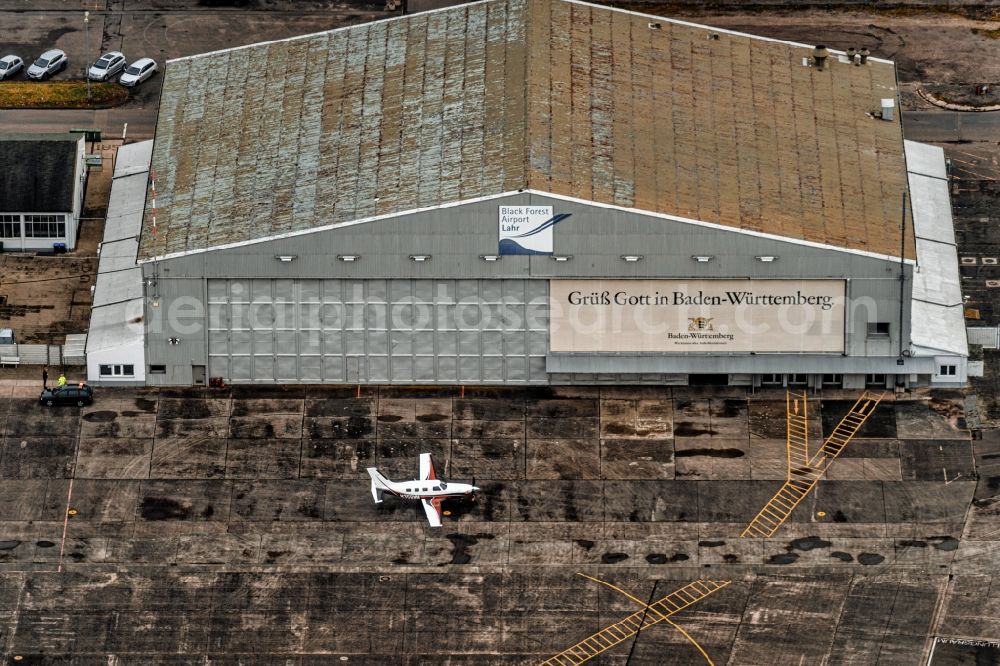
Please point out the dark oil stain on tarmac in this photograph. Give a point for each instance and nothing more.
(945, 543)
(145, 404)
(731, 558)
(842, 556)
(913, 544)
(870, 558)
(54, 35)
(193, 408)
(710, 453)
(731, 408)
(9, 545)
(583, 543)
(839, 517)
(711, 544)
(783, 558)
(161, 508)
(618, 429)
(427, 418)
(808, 543)
(613, 558)
(357, 427)
(389, 418)
(569, 502)
(686, 429)
(45, 544)
(460, 546)
(99, 417)
(661, 558)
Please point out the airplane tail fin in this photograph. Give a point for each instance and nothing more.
(379, 484)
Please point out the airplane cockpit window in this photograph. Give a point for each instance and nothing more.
(444, 485)
(435, 488)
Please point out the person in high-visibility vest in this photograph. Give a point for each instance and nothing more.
(61, 381)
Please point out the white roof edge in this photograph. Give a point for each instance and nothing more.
(575, 2)
(910, 150)
(452, 204)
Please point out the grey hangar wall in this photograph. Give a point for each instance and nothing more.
(249, 317)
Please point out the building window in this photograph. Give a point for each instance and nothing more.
(770, 380)
(157, 369)
(10, 226)
(117, 370)
(875, 380)
(45, 226)
(833, 380)
(798, 380)
(877, 329)
(948, 370)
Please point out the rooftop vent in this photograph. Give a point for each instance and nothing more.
(851, 54)
(653, 26)
(820, 54)
(888, 108)
(863, 56)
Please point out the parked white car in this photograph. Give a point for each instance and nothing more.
(106, 66)
(48, 63)
(137, 72)
(9, 66)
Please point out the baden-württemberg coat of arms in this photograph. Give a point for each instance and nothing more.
(700, 324)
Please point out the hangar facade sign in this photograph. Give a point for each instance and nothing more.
(712, 316)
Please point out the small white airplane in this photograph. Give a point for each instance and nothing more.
(429, 489)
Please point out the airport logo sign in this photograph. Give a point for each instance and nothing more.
(527, 229)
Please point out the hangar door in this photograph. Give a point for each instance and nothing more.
(378, 331)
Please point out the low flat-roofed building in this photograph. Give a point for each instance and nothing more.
(43, 179)
(116, 353)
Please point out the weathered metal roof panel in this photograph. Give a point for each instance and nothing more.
(553, 95)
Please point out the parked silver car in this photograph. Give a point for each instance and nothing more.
(106, 66)
(48, 63)
(9, 66)
(137, 72)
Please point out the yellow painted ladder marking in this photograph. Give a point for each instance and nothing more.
(654, 613)
(800, 481)
(797, 439)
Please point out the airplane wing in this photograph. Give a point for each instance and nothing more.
(433, 510)
(426, 467)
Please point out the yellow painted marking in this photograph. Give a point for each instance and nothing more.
(821, 514)
(71, 512)
(658, 613)
(793, 491)
(620, 631)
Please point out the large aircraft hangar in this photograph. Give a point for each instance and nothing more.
(517, 192)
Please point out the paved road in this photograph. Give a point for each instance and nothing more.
(946, 126)
(141, 122)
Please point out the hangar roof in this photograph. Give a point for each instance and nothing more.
(554, 96)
